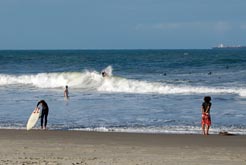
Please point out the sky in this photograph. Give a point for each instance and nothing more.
(121, 24)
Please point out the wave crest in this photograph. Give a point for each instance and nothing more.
(92, 80)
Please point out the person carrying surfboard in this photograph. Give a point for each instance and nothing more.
(44, 114)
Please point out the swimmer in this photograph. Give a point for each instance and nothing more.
(66, 92)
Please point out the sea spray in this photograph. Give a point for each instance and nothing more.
(92, 80)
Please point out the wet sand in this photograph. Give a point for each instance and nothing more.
(77, 147)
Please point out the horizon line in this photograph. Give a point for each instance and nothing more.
(106, 49)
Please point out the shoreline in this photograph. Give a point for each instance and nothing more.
(161, 131)
(81, 147)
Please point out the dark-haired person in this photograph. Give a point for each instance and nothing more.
(44, 113)
(104, 74)
(66, 92)
(206, 119)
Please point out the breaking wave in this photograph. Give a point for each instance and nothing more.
(92, 80)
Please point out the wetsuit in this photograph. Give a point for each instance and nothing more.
(45, 112)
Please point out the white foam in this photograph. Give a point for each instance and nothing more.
(164, 130)
(92, 80)
(142, 87)
(54, 80)
(108, 70)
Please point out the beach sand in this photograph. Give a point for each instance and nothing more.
(76, 147)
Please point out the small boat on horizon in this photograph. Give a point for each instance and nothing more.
(221, 46)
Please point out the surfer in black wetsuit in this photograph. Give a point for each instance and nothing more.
(44, 114)
(104, 74)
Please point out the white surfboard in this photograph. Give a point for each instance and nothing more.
(33, 119)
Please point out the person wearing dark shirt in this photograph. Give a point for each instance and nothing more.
(206, 119)
(44, 113)
(66, 92)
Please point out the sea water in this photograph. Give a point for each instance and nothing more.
(149, 91)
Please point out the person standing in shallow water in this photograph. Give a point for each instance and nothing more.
(44, 114)
(206, 119)
(66, 92)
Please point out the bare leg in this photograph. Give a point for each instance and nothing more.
(203, 129)
(207, 129)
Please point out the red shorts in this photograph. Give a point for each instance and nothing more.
(206, 119)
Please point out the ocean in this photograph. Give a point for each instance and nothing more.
(148, 91)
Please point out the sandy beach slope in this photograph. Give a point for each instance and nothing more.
(77, 147)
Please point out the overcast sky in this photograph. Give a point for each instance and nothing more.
(121, 24)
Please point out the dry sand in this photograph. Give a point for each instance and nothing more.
(77, 147)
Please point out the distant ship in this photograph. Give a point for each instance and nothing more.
(222, 47)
